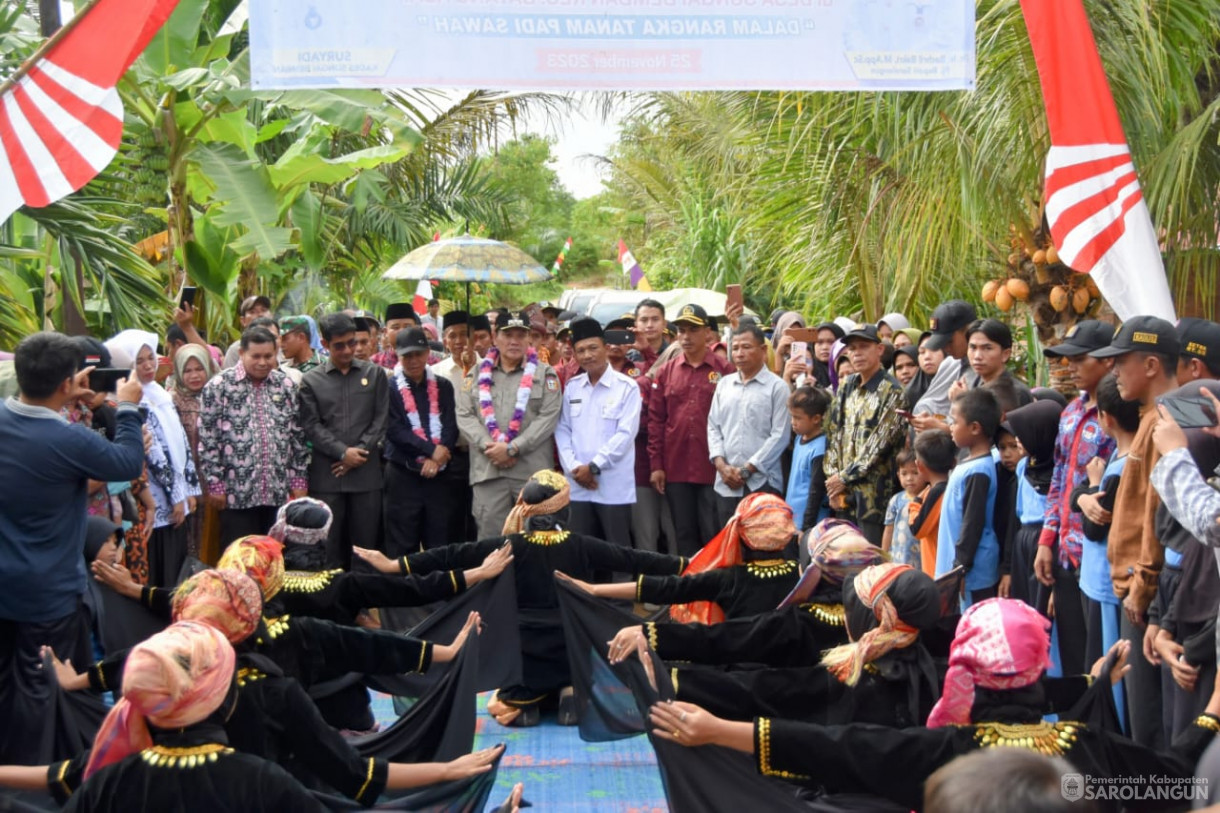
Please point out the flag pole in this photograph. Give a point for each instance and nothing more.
(50, 43)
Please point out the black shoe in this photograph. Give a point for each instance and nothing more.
(567, 707)
(529, 717)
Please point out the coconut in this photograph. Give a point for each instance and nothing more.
(990, 288)
(1040, 257)
(1003, 299)
(1059, 298)
(1019, 289)
(1080, 299)
(1052, 255)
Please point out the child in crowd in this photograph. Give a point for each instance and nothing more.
(1035, 427)
(935, 457)
(1094, 500)
(1009, 453)
(967, 525)
(898, 541)
(807, 408)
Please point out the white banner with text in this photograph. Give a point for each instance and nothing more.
(614, 44)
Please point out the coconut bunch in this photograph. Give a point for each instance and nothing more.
(1034, 275)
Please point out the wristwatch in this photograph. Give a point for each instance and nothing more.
(744, 472)
(513, 451)
(595, 469)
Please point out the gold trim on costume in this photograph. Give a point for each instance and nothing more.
(276, 626)
(1052, 739)
(453, 579)
(764, 753)
(423, 650)
(248, 674)
(547, 537)
(161, 756)
(1209, 722)
(771, 568)
(650, 629)
(831, 614)
(639, 587)
(304, 581)
(59, 777)
(367, 780)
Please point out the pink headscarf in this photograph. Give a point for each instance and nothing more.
(228, 600)
(1000, 644)
(176, 678)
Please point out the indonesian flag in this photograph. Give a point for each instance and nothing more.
(563, 252)
(1096, 210)
(61, 121)
(632, 268)
(423, 293)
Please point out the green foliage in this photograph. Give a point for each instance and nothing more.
(861, 203)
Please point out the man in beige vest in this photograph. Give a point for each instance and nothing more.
(514, 438)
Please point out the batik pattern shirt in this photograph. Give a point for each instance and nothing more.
(251, 447)
(864, 433)
(1080, 439)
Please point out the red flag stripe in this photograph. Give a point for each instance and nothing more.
(71, 163)
(1093, 250)
(108, 126)
(1073, 241)
(1105, 194)
(29, 185)
(1060, 178)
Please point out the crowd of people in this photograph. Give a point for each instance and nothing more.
(861, 550)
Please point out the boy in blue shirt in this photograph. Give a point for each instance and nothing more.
(967, 535)
(807, 408)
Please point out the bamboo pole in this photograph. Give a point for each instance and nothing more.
(43, 49)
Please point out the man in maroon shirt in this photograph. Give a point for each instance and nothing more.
(677, 430)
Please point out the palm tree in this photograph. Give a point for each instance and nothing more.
(860, 203)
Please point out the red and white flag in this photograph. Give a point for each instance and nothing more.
(423, 293)
(1096, 210)
(61, 122)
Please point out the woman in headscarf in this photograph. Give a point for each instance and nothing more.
(163, 745)
(1036, 426)
(312, 650)
(890, 324)
(537, 532)
(193, 368)
(781, 345)
(795, 632)
(993, 697)
(826, 334)
(170, 465)
(907, 337)
(884, 675)
(742, 572)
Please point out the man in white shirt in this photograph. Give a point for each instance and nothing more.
(748, 425)
(460, 361)
(596, 439)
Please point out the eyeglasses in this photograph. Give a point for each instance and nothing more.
(350, 344)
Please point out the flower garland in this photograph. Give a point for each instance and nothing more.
(523, 394)
(434, 407)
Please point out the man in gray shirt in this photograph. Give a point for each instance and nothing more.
(344, 402)
(748, 425)
(502, 462)
(948, 323)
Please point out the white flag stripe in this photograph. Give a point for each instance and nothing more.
(1075, 240)
(1130, 274)
(1069, 196)
(93, 149)
(53, 181)
(1058, 157)
(10, 195)
(83, 89)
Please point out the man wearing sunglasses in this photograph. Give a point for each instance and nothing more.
(344, 403)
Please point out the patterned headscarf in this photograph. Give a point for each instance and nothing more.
(895, 629)
(1000, 643)
(547, 492)
(226, 600)
(837, 552)
(184, 355)
(259, 557)
(176, 678)
(762, 522)
(303, 521)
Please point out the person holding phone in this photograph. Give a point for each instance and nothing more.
(47, 465)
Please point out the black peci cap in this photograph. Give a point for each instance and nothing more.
(1082, 337)
(948, 318)
(1145, 334)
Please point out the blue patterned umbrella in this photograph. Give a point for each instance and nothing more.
(469, 259)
